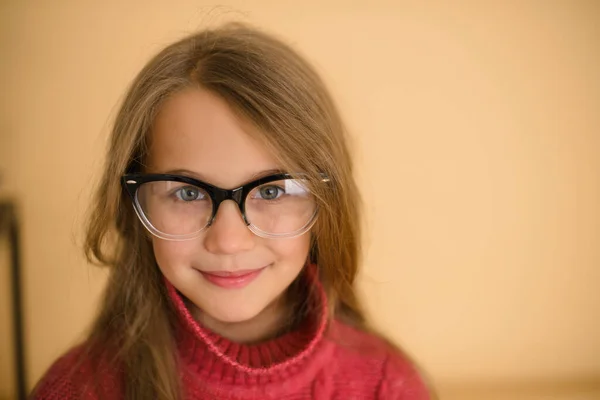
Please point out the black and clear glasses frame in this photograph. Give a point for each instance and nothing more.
(132, 182)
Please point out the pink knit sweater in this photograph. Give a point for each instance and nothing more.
(321, 360)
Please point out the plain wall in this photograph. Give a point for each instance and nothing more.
(476, 130)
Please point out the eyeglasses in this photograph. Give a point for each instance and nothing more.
(176, 207)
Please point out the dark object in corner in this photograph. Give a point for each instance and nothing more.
(9, 225)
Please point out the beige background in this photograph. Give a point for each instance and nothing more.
(477, 134)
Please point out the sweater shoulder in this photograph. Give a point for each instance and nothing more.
(353, 342)
(74, 376)
(402, 380)
(367, 354)
(58, 381)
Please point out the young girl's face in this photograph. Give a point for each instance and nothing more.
(196, 134)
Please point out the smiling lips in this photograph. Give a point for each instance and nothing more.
(232, 279)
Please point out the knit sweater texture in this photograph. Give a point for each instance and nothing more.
(320, 360)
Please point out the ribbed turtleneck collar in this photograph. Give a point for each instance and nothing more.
(233, 367)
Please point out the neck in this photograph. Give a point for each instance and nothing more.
(264, 326)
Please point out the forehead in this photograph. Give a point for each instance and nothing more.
(197, 131)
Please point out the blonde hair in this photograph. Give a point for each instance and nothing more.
(270, 86)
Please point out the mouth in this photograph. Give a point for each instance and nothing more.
(232, 279)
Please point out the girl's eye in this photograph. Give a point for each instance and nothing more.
(189, 193)
(270, 192)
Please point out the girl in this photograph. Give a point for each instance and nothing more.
(229, 217)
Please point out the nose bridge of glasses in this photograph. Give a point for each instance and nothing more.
(235, 195)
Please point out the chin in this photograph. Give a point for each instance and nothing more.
(230, 313)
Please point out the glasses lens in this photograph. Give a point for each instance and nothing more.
(281, 207)
(174, 208)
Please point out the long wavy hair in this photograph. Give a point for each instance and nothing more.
(271, 87)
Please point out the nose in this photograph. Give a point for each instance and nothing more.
(228, 233)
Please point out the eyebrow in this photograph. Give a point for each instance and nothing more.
(199, 176)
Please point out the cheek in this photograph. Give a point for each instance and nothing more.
(289, 251)
(175, 260)
(171, 256)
